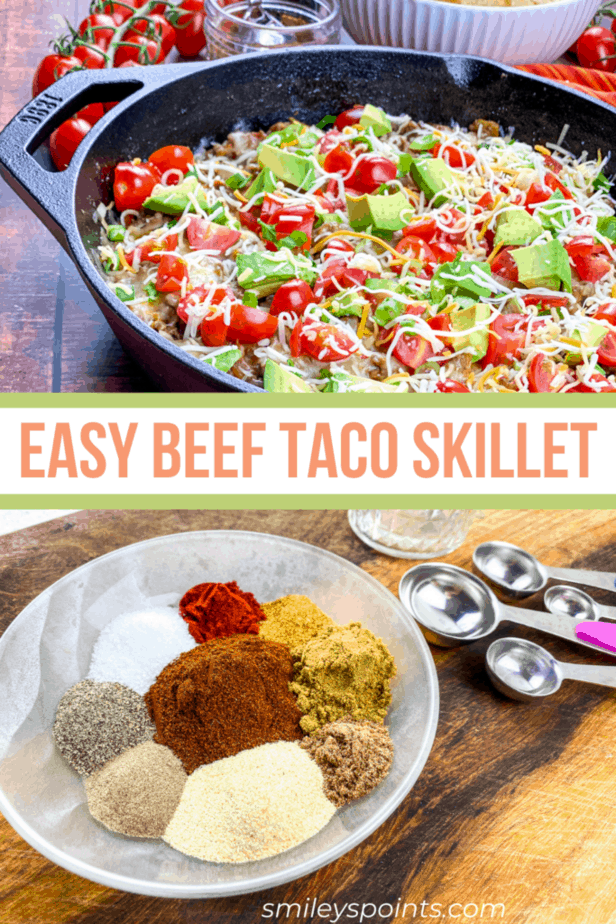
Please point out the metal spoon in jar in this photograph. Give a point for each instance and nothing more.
(453, 607)
(519, 574)
(527, 672)
(573, 602)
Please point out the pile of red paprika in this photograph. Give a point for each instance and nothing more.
(116, 33)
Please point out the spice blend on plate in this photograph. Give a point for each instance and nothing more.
(218, 610)
(222, 697)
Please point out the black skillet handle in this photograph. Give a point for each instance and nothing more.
(49, 194)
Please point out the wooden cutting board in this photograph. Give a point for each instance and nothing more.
(514, 808)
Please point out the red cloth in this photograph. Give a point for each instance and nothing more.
(596, 83)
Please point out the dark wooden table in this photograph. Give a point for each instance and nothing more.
(515, 804)
(52, 334)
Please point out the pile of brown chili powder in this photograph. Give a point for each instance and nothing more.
(225, 778)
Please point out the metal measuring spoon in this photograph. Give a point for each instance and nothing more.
(520, 575)
(453, 607)
(573, 602)
(527, 672)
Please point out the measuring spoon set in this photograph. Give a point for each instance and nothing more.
(454, 607)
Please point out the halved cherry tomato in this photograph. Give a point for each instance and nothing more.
(337, 245)
(606, 313)
(453, 235)
(535, 195)
(324, 342)
(449, 386)
(541, 373)
(330, 140)
(486, 201)
(546, 301)
(133, 183)
(337, 276)
(445, 252)
(607, 351)
(250, 219)
(555, 185)
(552, 164)
(172, 271)
(151, 251)
(298, 216)
(98, 28)
(249, 325)
(454, 155)
(207, 235)
(349, 117)
(417, 249)
(293, 296)
(370, 173)
(213, 328)
(599, 383)
(421, 227)
(172, 157)
(506, 337)
(50, 69)
(339, 160)
(589, 259)
(505, 266)
(66, 139)
(412, 350)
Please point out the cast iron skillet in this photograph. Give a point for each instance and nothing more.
(198, 104)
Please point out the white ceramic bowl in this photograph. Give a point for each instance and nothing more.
(511, 35)
(48, 648)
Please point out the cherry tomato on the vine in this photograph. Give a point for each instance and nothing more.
(66, 139)
(120, 10)
(156, 27)
(89, 56)
(91, 113)
(596, 48)
(98, 28)
(50, 69)
(139, 49)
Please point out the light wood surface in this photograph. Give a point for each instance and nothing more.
(515, 804)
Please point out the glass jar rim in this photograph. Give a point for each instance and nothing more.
(333, 14)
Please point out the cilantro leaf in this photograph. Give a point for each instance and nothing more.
(601, 182)
(151, 291)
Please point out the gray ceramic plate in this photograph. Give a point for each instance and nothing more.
(47, 649)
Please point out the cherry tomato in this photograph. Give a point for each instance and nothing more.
(421, 227)
(66, 139)
(207, 235)
(337, 246)
(250, 219)
(152, 251)
(552, 164)
(607, 351)
(249, 325)
(594, 46)
(451, 217)
(50, 69)
(172, 156)
(541, 372)
(589, 259)
(213, 328)
(451, 386)
(339, 160)
(138, 49)
(486, 201)
(555, 185)
(506, 338)
(417, 249)
(337, 276)
(171, 272)
(444, 252)
(606, 313)
(412, 350)
(156, 27)
(371, 171)
(330, 140)
(546, 301)
(599, 383)
(90, 57)
(535, 196)
(324, 342)
(191, 6)
(293, 296)
(505, 266)
(189, 34)
(98, 28)
(453, 155)
(298, 216)
(133, 183)
(349, 117)
(120, 10)
(91, 113)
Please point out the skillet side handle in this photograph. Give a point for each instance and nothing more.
(50, 194)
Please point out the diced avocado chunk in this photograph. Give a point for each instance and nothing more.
(386, 213)
(343, 382)
(461, 278)
(466, 318)
(224, 360)
(545, 265)
(592, 334)
(172, 200)
(516, 227)
(278, 378)
(606, 225)
(376, 119)
(264, 273)
(287, 166)
(264, 182)
(348, 303)
(432, 175)
(552, 215)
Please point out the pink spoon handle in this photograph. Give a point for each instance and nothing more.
(597, 633)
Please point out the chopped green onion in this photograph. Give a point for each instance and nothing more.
(124, 292)
(237, 181)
